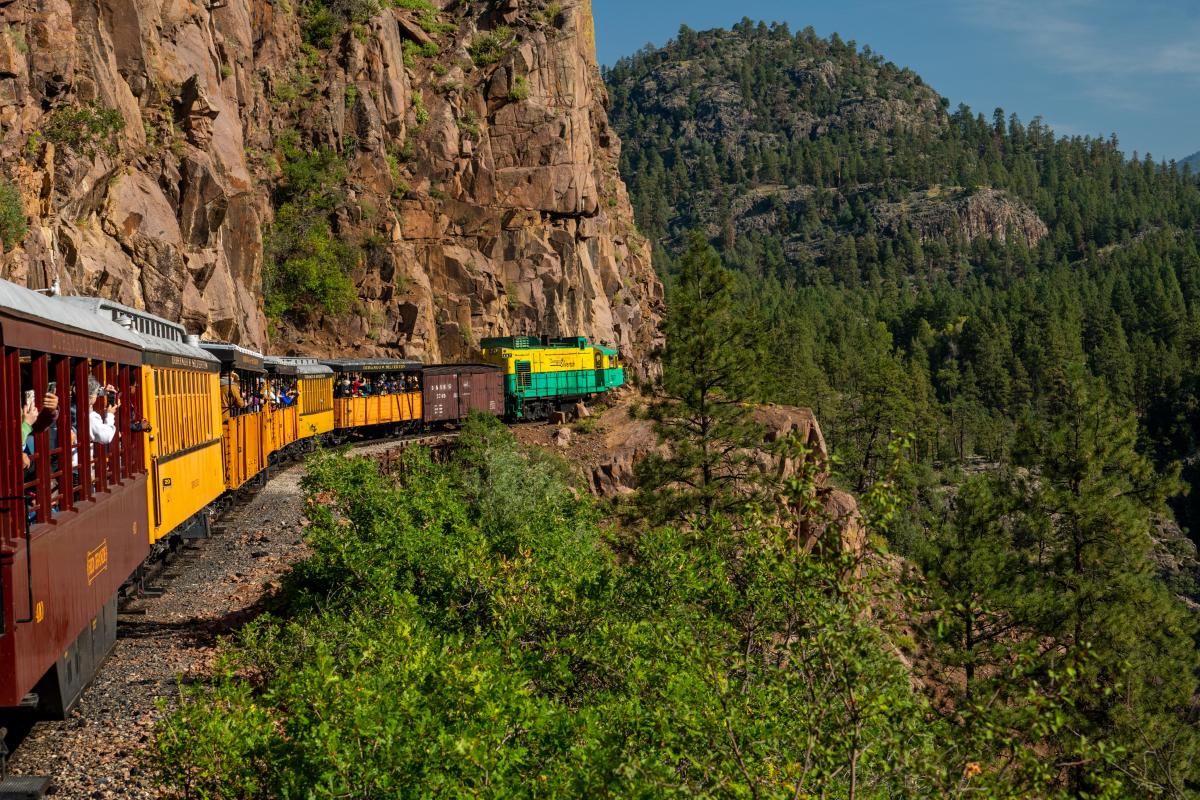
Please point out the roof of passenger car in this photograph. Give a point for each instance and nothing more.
(164, 342)
(372, 364)
(299, 366)
(21, 303)
(234, 356)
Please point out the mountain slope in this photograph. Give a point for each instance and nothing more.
(797, 141)
(1193, 160)
(404, 177)
(917, 269)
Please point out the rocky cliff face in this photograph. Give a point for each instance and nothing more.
(479, 191)
(936, 213)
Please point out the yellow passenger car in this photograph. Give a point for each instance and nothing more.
(376, 391)
(247, 433)
(313, 399)
(178, 414)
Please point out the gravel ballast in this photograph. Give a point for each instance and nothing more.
(211, 591)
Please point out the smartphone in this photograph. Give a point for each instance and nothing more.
(52, 387)
(112, 398)
(28, 396)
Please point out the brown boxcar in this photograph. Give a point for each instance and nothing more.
(453, 391)
(73, 524)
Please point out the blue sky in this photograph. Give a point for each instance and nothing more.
(1086, 66)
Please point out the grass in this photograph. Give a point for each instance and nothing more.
(491, 46)
(519, 90)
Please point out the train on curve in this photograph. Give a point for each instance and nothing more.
(122, 433)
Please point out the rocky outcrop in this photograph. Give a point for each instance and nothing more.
(937, 213)
(484, 198)
(622, 440)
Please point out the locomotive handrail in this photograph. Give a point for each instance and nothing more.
(26, 501)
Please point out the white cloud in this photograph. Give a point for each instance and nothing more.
(1112, 50)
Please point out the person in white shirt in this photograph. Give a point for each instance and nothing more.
(103, 426)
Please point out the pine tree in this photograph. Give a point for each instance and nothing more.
(711, 372)
(1091, 501)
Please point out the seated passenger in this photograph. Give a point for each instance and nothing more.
(231, 394)
(103, 425)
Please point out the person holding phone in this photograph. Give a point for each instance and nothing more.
(103, 420)
(35, 421)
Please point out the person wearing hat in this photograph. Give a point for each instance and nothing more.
(231, 394)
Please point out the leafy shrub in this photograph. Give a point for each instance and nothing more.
(411, 49)
(85, 129)
(469, 124)
(550, 15)
(519, 90)
(307, 268)
(468, 632)
(12, 216)
(323, 20)
(418, 103)
(491, 46)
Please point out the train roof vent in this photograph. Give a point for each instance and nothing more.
(511, 343)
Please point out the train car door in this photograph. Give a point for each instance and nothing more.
(464, 394)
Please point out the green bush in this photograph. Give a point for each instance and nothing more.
(418, 104)
(12, 216)
(321, 21)
(307, 268)
(411, 50)
(470, 631)
(519, 90)
(85, 129)
(491, 46)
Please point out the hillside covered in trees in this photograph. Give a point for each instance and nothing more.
(917, 267)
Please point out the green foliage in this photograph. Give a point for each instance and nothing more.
(413, 49)
(519, 90)
(307, 267)
(1045, 573)
(468, 632)
(549, 16)
(322, 21)
(469, 125)
(12, 216)
(421, 113)
(87, 130)
(491, 46)
(711, 370)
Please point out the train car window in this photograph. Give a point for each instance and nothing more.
(183, 422)
(55, 465)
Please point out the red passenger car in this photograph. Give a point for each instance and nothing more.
(72, 522)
